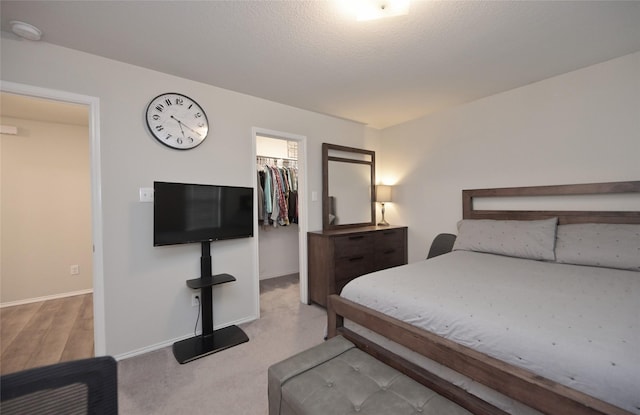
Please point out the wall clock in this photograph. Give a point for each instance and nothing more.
(177, 121)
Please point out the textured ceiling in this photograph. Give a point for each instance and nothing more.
(312, 55)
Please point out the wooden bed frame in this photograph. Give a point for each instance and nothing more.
(522, 385)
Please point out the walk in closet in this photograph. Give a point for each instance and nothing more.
(277, 170)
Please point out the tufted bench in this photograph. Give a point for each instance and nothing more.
(336, 378)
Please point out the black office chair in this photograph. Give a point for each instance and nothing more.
(87, 386)
(442, 244)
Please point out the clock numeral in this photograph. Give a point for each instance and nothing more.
(160, 107)
(189, 107)
(179, 101)
(168, 137)
(200, 124)
(191, 140)
(155, 117)
(168, 101)
(159, 128)
(179, 140)
(197, 115)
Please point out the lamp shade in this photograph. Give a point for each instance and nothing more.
(383, 193)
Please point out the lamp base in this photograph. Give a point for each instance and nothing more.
(383, 222)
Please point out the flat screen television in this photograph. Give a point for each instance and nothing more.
(188, 213)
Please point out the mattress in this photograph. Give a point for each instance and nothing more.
(576, 325)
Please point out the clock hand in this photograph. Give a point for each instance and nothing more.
(181, 124)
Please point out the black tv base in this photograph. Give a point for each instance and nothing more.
(210, 341)
(200, 346)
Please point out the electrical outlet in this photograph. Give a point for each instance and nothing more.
(74, 269)
(195, 300)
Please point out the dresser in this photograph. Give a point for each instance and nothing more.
(338, 256)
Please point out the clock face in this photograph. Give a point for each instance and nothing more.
(177, 121)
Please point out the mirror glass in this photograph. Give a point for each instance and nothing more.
(348, 176)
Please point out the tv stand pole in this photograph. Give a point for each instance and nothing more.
(210, 341)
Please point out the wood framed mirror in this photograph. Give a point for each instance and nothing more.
(348, 187)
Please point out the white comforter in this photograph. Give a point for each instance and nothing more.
(576, 325)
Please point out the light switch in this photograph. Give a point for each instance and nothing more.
(146, 194)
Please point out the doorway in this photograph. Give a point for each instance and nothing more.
(93, 266)
(281, 246)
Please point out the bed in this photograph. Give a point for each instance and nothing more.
(546, 322)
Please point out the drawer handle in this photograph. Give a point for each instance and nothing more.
(389, 251)
(356, 258)
(356, 237)
(389, 233)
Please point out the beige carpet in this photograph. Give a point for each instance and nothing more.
(230, 382)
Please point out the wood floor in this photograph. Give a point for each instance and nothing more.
(46, 332)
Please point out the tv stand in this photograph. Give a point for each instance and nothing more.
(210, 341)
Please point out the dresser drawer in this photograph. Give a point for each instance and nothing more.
(354, 266)
(390, 257)
(393, 238)
(353, 245)
(390, 248)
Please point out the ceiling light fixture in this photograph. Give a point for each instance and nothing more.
(378, 9)
(25, 30)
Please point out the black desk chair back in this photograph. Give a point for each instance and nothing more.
(88, 386)
(442, 244)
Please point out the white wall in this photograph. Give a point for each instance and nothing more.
(46, 215)
(580, 127)
(146, 300)
(279, 254)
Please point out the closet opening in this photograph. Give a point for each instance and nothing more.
(277, 165)
(281, 214)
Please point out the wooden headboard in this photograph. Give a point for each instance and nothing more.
(564, 216)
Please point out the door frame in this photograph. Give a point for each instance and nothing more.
(303, 209)
(93, 103)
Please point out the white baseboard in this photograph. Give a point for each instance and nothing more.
(268, 277)
(157, 346)
(45, 298)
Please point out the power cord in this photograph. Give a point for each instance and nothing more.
(195, 329)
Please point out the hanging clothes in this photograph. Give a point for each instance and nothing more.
(279, 187)
(260, 196)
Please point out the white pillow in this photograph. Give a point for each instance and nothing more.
(531, 239)
(600, 245)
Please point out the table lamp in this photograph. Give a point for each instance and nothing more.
(383, 195)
